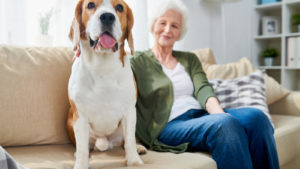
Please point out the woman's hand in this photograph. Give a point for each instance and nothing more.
(213, 106)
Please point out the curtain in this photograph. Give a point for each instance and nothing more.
(20, 22)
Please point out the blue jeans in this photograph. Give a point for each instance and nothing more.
(238, 139)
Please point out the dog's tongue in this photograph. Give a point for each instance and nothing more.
(107, 41)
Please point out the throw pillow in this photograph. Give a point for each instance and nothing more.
(274, 91)
(246, 91)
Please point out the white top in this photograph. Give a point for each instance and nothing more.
(183, 90)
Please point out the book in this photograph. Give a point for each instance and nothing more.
(298, 52)
(291, 52)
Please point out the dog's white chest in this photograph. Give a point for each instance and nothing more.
(103, 97)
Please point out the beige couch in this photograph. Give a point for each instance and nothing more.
(34, 106)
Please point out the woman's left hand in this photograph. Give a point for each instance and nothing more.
(213, 106)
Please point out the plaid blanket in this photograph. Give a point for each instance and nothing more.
(7, 162)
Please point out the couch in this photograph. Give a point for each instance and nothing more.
(34, 106)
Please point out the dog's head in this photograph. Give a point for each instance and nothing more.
(105, 24)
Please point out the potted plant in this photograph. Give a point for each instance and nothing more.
(44, 39)
(296, 21)
(269, 55)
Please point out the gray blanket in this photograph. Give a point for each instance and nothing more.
(7, 162)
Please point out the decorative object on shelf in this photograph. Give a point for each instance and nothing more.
(269, 55)
(293, 52)
(296, 21)
(262, 2)
(270, 25)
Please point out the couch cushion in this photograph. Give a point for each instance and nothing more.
(294, 164)
(33, 99)
(287, 129)
(287, 136)
(205, 56)
(62, 157)
(274, 91)
(289, 105)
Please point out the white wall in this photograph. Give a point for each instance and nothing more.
(205, 28)
(140, 30)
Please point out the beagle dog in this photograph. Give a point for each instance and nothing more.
(102, 90)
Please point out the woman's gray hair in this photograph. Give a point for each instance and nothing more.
(160, 8)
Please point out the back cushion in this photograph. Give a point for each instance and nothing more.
(34, 97)
(205, 56)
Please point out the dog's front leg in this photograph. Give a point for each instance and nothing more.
(128, 124)
(81, 130)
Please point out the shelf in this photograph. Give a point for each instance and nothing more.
(293, 2)
(289, 77)
(270, 6)
(292, 68)
(292, 34)
(263, 37)
(270, 67)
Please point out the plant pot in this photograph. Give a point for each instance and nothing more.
(268, 61)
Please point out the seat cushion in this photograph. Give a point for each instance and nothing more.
(287, 136)
(62, 157)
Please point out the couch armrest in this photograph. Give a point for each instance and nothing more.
(289, 105)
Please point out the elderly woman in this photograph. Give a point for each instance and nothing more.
(177, 109)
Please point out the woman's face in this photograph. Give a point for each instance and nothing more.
(167, 28)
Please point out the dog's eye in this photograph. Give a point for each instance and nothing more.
(91, 5)
(119, 8)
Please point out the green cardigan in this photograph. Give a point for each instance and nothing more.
(155, 95)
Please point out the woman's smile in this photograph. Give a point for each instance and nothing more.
(166, 37)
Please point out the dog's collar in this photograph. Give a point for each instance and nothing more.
(78, 51)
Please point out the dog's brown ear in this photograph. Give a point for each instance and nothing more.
(74, 33)
(77, 29)
(130, 21)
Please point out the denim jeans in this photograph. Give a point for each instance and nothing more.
(238, 139)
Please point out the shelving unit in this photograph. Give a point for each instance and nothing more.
(289, 77)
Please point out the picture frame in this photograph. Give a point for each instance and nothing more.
(270, 25)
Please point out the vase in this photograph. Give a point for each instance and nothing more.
(298, 26)
(268, 61)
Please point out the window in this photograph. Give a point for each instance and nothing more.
(36, 22)
(20, 22)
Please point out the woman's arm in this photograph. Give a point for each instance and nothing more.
(213, 106)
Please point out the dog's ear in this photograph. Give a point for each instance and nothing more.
(77, 29)
(74, 33)
(130, 21)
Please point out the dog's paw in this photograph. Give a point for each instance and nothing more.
(134, 161)
(81, 165)
(102, 144)
(141, 149)
(82, 161)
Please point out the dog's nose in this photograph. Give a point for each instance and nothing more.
(107, 19)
